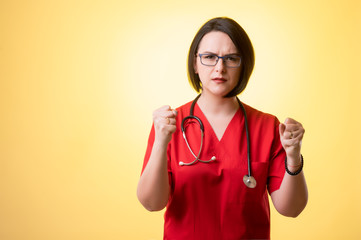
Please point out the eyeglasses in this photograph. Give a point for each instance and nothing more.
(209, 59)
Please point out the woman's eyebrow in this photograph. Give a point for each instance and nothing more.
(209, 52)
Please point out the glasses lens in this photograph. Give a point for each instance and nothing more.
(232, 60)
(209, 59)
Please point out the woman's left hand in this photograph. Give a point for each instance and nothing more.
(291, 134)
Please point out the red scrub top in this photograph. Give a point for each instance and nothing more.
(209, 200)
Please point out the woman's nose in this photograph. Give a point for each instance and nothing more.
(220, 67)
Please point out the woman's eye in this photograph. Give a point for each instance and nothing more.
(210, 57)
(231, 59)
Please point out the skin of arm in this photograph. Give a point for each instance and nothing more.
(292, 197)
(153, 186)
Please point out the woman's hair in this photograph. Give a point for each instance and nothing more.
(240, 40)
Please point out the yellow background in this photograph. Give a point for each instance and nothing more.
(79, 81)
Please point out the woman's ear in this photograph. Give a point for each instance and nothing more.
(195, 65)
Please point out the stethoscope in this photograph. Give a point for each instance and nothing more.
(248, 179)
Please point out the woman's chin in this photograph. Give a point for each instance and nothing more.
(217, 92)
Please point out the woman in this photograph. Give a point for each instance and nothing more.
(211, 193)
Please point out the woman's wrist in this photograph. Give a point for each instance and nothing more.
(294, 167)
(160, 145)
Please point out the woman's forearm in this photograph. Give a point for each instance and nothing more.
(153, 187)
(292, 197)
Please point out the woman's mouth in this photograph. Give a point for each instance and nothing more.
(219, 80)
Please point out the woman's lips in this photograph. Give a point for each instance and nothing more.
(219, 79)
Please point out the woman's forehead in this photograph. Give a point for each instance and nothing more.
(217, 42)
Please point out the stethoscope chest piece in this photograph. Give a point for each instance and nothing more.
(249, 181)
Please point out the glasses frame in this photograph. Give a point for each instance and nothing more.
(218, 57)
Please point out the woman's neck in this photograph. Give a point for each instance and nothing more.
(217, 105)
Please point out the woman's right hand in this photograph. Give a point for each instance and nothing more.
(164, 119)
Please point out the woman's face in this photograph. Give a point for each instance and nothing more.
(217, 80)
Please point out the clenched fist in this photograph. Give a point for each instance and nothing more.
(291, 134)
(164, 120)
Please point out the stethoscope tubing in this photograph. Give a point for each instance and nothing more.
(247, 135)
(191, 116)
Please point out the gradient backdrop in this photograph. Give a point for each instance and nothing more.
(79, 81)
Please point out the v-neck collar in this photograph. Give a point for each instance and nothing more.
(207, 124)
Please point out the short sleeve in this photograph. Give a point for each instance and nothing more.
(277, 158)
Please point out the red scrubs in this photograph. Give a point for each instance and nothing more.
(209, 200)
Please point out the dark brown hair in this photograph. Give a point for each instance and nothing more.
(240, 40)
